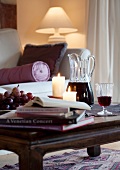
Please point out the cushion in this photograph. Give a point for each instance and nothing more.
(37, 71)
(51, 54)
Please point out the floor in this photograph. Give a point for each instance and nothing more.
(7, 157)
(115, 145)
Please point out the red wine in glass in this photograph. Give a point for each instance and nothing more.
(104, 93)
(104, 100)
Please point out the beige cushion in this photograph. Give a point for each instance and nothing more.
(10, 48)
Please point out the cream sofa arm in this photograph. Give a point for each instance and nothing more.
(10, 48)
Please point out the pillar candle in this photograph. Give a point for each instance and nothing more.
(58, 85)
(69, 95)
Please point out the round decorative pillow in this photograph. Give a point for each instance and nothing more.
(37, 71)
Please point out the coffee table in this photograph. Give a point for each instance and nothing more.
(32, 145)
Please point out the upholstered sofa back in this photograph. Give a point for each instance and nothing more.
(10, 51)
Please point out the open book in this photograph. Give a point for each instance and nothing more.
(51, 102)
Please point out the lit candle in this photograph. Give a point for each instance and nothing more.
(58, 85)
(69, 95)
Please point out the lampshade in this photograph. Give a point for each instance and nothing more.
(55, 22)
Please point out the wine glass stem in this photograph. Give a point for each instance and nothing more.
(104, 110)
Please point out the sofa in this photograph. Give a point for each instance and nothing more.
(11, 51)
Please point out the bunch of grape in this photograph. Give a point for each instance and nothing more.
(10, 101)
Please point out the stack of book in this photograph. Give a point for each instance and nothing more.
(50, 117)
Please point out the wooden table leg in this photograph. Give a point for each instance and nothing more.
(94, 151)
(36, 159)
(32, 159)
(24, 162)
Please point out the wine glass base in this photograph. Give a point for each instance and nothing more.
(105, 113)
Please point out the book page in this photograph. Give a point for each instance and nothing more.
(51, 102)
(10, 114)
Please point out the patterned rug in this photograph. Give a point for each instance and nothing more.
(79, 160)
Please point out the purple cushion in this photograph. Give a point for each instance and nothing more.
(37, 71)
(52, 54)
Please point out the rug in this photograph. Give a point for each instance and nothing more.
(79, 160)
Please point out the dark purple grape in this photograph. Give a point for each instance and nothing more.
(30, 96)
(7, 94)
(5, 107)
(1, 96)
(22, 92)
(17, 99)
(12, 97)
(14, 106)
(1, 103)
(8, 101)
(24, 98)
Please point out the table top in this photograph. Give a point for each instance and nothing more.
(100, 123)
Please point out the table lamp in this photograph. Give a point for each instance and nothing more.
(56, 22)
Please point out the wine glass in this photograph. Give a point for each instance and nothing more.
(104, 92)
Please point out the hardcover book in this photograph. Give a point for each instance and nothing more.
(10, 120)
(73, 118)
(43, 114)
(25, 111)
(62, 127)
(41, 109)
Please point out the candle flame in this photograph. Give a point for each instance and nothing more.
(69, 89)
(58, 74)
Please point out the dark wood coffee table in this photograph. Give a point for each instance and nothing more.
(31, 146)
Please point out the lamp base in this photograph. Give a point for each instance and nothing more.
(56, 39)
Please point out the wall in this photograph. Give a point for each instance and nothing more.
(76, 10)
(30, 13)
(9, 1)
